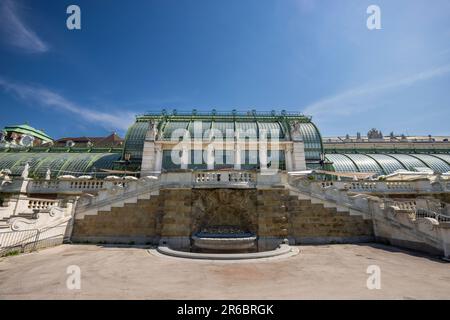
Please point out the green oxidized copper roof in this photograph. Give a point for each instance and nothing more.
(26, 129)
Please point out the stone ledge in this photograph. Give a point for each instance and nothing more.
(283, 250)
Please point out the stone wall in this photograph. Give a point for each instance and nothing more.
(175, 214)
(313, 223)
(136, 223)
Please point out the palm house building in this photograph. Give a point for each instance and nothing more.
(182, 179)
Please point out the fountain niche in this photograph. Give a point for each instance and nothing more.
(225, 221)
(225, 227)
(224, 239)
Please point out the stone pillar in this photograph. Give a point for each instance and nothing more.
(299, 156)
(263, 157)
(210, 157)
(158, 158)
(288, 158)
(237, 157)
(184, 157)
(148, 152)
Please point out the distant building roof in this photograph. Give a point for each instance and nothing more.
(112, 140)
(395, 138)
(28, 130)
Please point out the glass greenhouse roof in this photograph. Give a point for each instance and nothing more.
(436, 164)
(75, 164)
(342, 163)
(365, 163)
(445, 157)
(250, 125)
(388, 163)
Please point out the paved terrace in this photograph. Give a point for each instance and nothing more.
(318, 272)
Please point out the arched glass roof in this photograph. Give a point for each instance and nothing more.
(175, 128)
(75, 164)
(251, 125)
(223, 127)
(445, 157)
(272, 129)
(408, 161)
(386, 162)
(312, 140)
(247, 129)
(438, 165)
(198, 129)
(365, 163)
(134, 140)
(341, 163)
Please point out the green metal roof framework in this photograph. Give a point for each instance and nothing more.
(75, 164)
(221, 121)
(387, 163)
(28, 130)
(386, 149)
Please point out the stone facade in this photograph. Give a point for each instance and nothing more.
(176, 214)
(137, 222)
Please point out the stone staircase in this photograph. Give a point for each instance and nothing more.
(342, 202)
(401, 223)
(117, 196)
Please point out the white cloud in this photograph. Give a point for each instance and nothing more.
(353, 100)
(47, 98)
(15, 32)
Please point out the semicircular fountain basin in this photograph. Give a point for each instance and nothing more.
(224, 239)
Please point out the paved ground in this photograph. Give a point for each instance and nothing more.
(323, 272)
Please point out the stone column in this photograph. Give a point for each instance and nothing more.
(299, 156)
(158, 158)
(237, 157)
(263, 157)
(288, 158)
(210, 157)
(184, 157)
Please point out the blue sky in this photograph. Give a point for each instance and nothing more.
(316, 57)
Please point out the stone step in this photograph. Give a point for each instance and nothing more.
(119, 204)
(342, 209)
(317, 201)
(4, 223)
(27, 215)
(329, 204)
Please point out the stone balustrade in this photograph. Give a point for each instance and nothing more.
(70, 186)
(117, 192)
(41, 204)
(407, 205)
(420, 186)
(407, 223)
(224, 178)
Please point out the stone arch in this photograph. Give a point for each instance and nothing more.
(224, 207)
